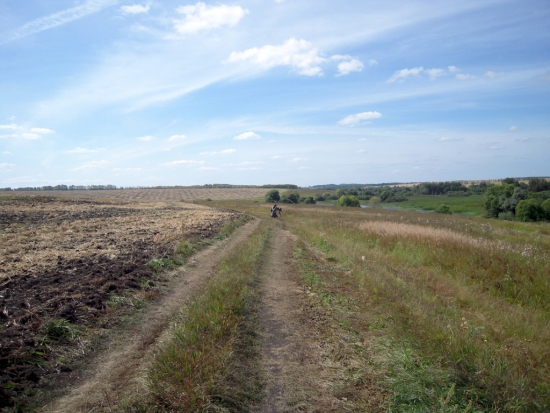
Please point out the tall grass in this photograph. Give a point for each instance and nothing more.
(468, 297)
(190, 372)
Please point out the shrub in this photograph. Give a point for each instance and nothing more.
(443, 209)
(545, 206)
(308, 200)
(272, 196)
(374, 201)
(348, 200)
(529, 210)
(293, 197)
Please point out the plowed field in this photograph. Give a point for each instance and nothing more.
(74, 262)
(170, 194)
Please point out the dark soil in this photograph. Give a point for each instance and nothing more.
(77, 292)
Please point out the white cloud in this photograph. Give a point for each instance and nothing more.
(298, 54)
(183, 162)
(135, 9)
(228, 151)
(13, 135)
(59, 18)
(6, 153)
(402, 74)
(353, 65)
(176, 138)
(127, 169)
(85, 150)
(276, 157)
(208, 168)
(6, 167)
(246, 136)
(298, 159)
(494, 75)
(449, 139)
(248, 169)
(373, 62)
(530, 140)
(200, 17)
(513, 128)
(461, 76)
(90, 165)
(360, 118)
(146, 138)
(10, 126)
(453, 69)
(435, 73)
(32, 136)
(42, 131)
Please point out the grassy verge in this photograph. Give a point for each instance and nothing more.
(456, 308)
(210, 363)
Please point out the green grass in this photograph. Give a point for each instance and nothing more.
(466, 205)
(210, 361)
(464, 297)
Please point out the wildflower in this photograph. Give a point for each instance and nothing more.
(363, 257)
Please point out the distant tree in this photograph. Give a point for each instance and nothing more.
(327, 195)
(319, 198)
(348, 200)
(495, 196)
(529, 210)
(308, 200)
(272, 196)
(293, 197)
(374, 201)
(538, 185)
(545, 206)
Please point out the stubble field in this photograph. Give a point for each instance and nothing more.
(67, 265)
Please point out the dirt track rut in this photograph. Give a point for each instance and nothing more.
(119, 372)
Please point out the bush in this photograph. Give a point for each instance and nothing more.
(308, 200)
(272, 196)
(529, 210)
(545, 206)
(443, 209)
(506, 216)
(293, 197)
(348, 200)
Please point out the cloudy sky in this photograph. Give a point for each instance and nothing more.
(168, 92)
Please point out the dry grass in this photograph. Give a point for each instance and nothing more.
(457, 308)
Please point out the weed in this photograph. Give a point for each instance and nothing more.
(60, 330)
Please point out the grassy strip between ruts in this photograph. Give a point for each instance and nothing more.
(210, 362)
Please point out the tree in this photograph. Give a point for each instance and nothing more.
(529, 210)
(293, 197)
(443, 209)
(272, 196)
(348, 200)
(495, 196)
(308, 200)
(545, 206)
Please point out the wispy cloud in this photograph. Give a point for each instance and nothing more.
(247, 136)
(135, 9)
(201, 17)
(176, 138)
(183, 162)
(91, 165)
(146, 138)
(85, 150)
(11, 126)
(401, 75)
(208, 168)
(360, 118)
(6, 167)
(42, 131)
(59, 18)
(449, 139)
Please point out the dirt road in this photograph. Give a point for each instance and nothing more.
(119, 372)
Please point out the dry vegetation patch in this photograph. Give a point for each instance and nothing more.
(69, 265)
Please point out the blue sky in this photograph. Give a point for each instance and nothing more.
(273, 91)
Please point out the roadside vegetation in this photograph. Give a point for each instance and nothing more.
(453, 310)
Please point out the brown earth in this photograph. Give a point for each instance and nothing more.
(139, 195)
(83, 262)
(120, 372)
